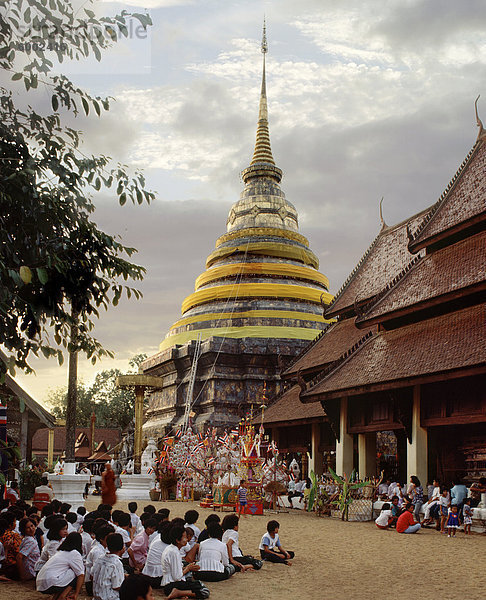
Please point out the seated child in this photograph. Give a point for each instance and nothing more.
(212, 518)
(29, 552)
(136, 587)
(153, 564)
(63, 574)
(270, 547)
(108, 573)
(140, 545)
(191, 518)
(98, 550)
(134, 518)
(231, 539)
(396, 510)
(213, 557)
(174, 574)
(385, 518)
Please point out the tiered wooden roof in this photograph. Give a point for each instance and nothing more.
(413, 309)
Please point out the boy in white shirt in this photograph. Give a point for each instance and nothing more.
(270, 547)
(385, 518)
(98, 550)
(108, 573)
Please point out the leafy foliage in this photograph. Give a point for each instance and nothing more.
(56, 266)
(113, 407)
(346, 488)
(29, 479)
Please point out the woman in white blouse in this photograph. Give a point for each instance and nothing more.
(63, 574)
(28, 553)
(174, 575)
(57, 531)
(153, 564)
(213, 560)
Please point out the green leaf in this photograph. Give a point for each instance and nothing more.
(42, 275)
(55, 102)
(122, 199)
(17, 76)
(85, 105)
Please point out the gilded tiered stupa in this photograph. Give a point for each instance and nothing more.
(260, 300)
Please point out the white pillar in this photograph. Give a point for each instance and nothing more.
(367, 455)
(344, 447)
(417, 450)
(315, 460)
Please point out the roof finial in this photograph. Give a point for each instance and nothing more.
(382, 220)
(264, 37)
(263, 151)
(478, 120)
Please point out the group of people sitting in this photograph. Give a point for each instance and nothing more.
(118, 555)
(448, 507)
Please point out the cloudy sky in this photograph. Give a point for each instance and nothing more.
(367, 98)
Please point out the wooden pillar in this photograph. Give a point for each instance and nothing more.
(344, 447)
(276, 435)
(137, 442)
(417, 448)
(24, 433)
(316, 460)
(366, 455)
(50, 448)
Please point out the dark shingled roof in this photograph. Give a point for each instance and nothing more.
(384, 259)
(445, 343)
(329, 347)
(462, 201)
(442, 273)
(288, 407)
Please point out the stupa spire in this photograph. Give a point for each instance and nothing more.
(262, 162)
(263, 151)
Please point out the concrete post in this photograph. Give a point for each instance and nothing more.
(50, 448)
(344, 448)
(316, 460)
(417, 450)
(137, 445)
(367, 455)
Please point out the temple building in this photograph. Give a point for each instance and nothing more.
(259, 301)
(406, 358)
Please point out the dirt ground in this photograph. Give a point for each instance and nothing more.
(338, 561)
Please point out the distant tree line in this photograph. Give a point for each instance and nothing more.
(113, 407)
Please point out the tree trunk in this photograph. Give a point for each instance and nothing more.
(72, 395)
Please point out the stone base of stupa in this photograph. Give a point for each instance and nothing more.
(69, 487)
(134, 487)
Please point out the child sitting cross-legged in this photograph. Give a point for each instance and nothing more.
(108, 572)
(270, 547)
(174, 574)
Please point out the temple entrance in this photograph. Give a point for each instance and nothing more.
(457, 452)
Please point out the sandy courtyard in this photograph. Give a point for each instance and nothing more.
(339, 561)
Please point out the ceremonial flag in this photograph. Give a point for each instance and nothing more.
(200, 437)
(235, 431)
(178, 433)
(211, 460)
(186, 462)
(150, 471)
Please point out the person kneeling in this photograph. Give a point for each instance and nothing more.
(385, 518)
(213, 557)
(63, 574)
(270, 547)
(406, 522)
(174, 581)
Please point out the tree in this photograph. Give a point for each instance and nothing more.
(57, 269)
(113, 407)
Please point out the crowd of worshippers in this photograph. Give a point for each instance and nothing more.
(408, 509)
(119, 555)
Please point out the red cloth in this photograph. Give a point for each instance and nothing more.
(404, 521)
(108, 490)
